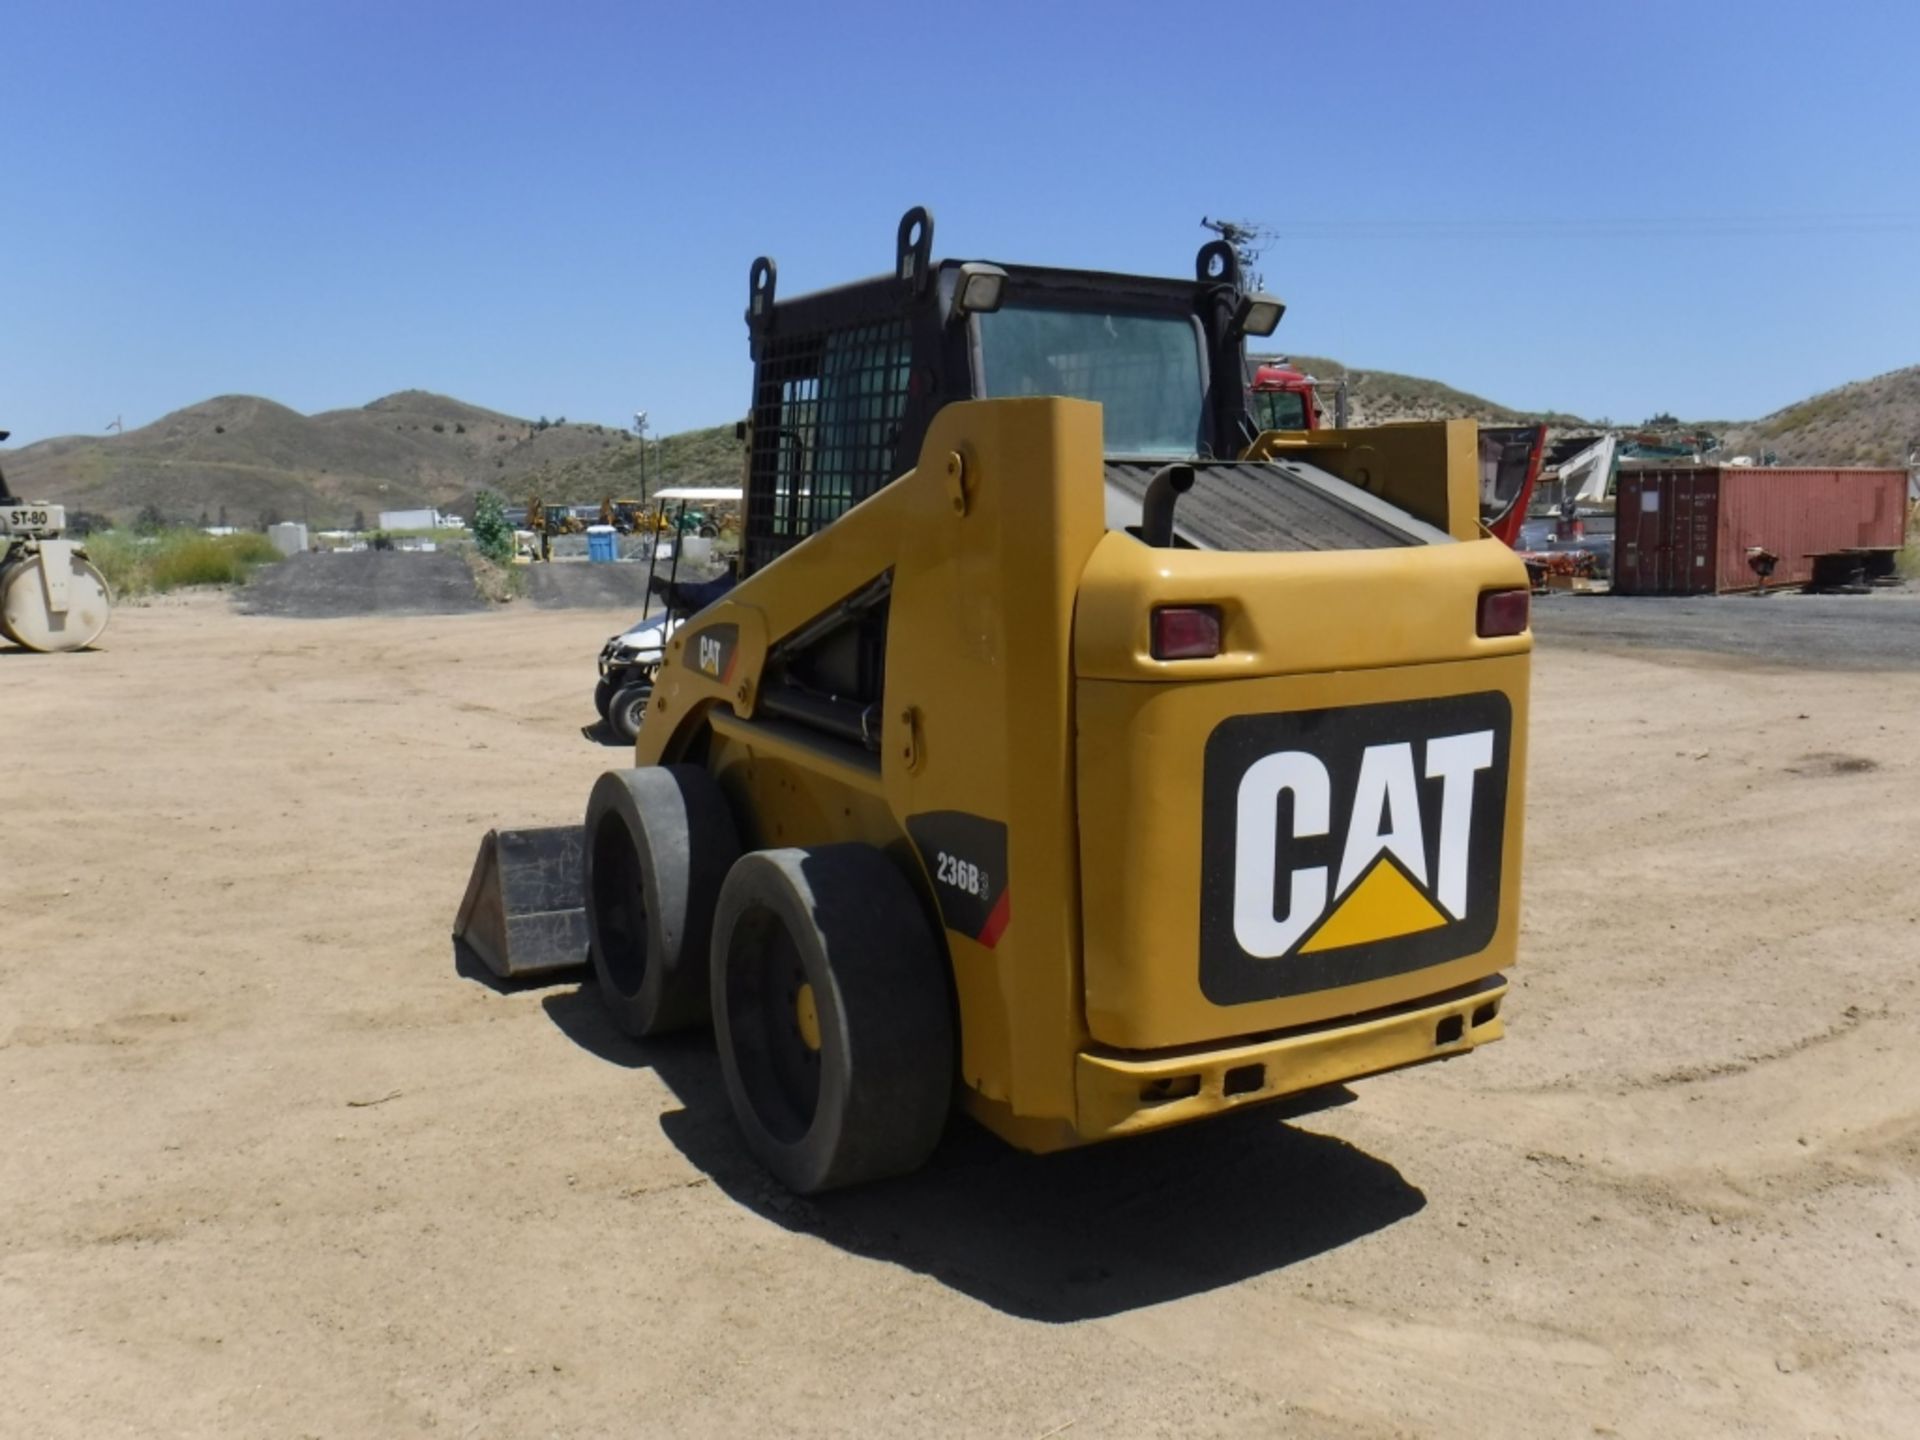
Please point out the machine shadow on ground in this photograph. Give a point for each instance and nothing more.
(1072, 1236)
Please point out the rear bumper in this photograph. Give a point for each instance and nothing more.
(1125, 1092)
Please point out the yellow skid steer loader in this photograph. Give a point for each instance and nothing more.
(1066, 751)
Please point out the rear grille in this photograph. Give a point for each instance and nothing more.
(1262, 506)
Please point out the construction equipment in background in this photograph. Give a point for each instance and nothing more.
(1586, 476)
(51, 596)
(1284, 398)
(628, 517)
(1509, 470)
(1245, 737)
(547, 521)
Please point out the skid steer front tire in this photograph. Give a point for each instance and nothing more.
(659, 843)
(832, 1009)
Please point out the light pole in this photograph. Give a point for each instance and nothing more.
(640, 429)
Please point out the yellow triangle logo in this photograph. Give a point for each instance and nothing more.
(1383, 906)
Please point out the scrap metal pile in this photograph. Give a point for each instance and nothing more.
(1544, 567)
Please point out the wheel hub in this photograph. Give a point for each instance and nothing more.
(807, 1018)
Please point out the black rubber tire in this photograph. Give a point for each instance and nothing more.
(603, 692)
(846, 921)
(628, 709)
(659, 843)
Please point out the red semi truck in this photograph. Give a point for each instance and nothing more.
(1285, 399)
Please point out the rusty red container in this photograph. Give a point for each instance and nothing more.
(1690, 530)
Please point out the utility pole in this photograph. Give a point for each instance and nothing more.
(640, 429)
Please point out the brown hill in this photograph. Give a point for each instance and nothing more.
(1869, 422)
(1377, 397)
(256, 460)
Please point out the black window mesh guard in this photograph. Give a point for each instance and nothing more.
(826, 420)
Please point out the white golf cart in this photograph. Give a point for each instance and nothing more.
(631, 660)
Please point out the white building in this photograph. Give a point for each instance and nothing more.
(419, 520)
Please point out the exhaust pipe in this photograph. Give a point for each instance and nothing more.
(1156, 509)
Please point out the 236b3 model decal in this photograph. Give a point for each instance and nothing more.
(1345, 845)
(966, 857)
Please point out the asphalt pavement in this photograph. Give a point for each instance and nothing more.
(318, 586)
(1876, 631)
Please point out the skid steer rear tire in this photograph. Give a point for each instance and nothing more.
(851, 1078)
(659, 843)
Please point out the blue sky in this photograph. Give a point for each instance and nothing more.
(1613, 209)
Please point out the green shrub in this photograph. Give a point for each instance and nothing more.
(153, 564)
(491, 532)
(190, 559)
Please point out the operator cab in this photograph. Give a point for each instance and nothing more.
(847, 380)
(1280, 410)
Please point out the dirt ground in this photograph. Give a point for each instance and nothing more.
(272, 1167)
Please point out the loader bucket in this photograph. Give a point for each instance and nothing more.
(523, 914)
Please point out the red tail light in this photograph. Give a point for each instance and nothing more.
(1502, 612)
(1186, 632)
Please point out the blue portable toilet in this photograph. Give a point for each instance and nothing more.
(601, 544)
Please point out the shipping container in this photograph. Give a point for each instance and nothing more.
(1691, 529)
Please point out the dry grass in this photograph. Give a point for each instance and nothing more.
(1870, 422)
(495, 582)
